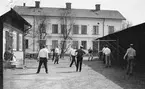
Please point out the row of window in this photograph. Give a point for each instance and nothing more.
(75, 29)
(55, 44)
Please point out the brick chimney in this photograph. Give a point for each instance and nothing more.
(24, 4)
(37, 4)
(97, 7)
(68, 5)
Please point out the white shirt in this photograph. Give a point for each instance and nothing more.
(57, 50)
(107, 51)
(103, 49)
(43, 53)
(73, 51)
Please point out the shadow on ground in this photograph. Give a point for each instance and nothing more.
(25, 74)
(118, 75)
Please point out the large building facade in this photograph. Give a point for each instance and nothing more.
(86, 25)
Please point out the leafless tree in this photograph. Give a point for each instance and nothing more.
(67, 22)
(126, 24)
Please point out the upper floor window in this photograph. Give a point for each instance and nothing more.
(55, 28)
(84, 29)
(110, 29)
(63, 29)
(75, 29)
(84, 44)
(14, 40)
(95, 30)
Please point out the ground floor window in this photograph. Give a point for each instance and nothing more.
(75, 44)
(84, 44)
(54, 43)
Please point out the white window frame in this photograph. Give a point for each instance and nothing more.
(20, 42)
(14, 40)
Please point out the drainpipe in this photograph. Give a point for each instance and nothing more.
(103, 25)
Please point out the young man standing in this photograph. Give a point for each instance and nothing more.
(90, 52)
(42, 58)
(80, 54)
(57, 53)
(107, 53)
(73, 55)
(130, 54)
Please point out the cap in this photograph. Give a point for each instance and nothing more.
(81, 46)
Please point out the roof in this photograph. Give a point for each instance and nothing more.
(136, 30)
(87, 13)
(13, 18)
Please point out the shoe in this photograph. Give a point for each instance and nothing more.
(46, 72)
(37, 73)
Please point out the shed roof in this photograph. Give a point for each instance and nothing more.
(13, 18)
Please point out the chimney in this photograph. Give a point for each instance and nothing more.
(37, 4)
(97, 7)
(68, 5)
(24, 4)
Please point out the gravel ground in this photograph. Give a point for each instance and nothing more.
(61, 76)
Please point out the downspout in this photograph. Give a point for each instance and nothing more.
(103, 25)
(34, 34)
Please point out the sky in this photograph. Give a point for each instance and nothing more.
(132, 10)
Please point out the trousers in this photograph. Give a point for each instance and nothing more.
(42, 61)
(79, 63)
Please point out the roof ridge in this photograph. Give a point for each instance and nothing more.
(62, 8)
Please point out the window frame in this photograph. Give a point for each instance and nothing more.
(14, 44)
(20, 42)
(84, 46)
(84, 32)
(54, 28)
(75, 29)
(95, 30)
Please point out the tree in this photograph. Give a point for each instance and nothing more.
(67, 22)
(126, 24)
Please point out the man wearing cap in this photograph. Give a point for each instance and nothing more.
(42, 58)
(80, 54)
(130, 54)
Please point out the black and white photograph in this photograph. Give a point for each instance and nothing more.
(72, 44)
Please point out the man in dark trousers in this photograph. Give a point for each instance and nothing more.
(80, 54)
(73, 55)
(130, 54)
(42, 58)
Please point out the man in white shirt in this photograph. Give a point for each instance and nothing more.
(107, 53)
(73, 55)
(42, 58)
(57, 53)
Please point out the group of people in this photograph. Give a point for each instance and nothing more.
(76, 56)
(129, 57)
